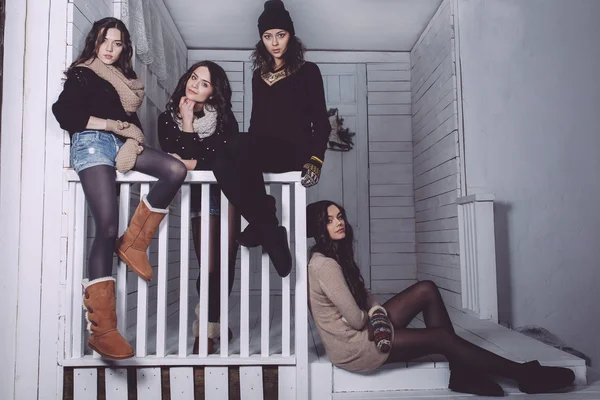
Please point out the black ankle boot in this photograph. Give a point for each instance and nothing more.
(276, 245)
(252, 235)
(249, 237)
(540, 379)
(469, 381)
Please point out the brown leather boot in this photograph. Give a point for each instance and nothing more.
(99, 302)
(132, 246)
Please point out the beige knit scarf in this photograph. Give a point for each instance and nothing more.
(131, 93)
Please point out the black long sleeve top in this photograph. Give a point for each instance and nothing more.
(293, 109)
(188, 145)
(87, 95)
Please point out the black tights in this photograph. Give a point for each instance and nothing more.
(239, 168)
(438, 337)
(100, 191)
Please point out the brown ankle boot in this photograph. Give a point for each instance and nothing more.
(99, 302)
(196, 331)
(211, 346)
(132, 246)
(214, 332)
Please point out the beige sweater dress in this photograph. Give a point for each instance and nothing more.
(341, 323)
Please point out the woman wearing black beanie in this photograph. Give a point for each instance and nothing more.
(289, 129)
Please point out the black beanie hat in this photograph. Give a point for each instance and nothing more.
(312, 213)
(275, 16)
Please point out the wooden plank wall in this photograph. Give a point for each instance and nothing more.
(436, 155)
(393, 259)
(2, 11)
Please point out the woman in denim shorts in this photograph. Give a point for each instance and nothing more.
(97, 107)
(196, 124)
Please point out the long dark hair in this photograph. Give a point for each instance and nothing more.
(95, 38)
(340, 250)
(293, 57)
(221, 97)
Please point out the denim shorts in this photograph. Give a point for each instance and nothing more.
(90, 148)
(196, 201)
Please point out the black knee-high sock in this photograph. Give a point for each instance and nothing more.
(214, 291)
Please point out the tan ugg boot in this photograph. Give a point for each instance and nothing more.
(214, 332)
(99, 303)
(132, 246)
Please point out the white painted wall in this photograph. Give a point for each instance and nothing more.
(436, 157)
(392, 210)
(531, 103)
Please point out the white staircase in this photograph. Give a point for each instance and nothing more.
(430, 373)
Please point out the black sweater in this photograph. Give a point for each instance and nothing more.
(87, 95)
(293, 109)
(188, 145)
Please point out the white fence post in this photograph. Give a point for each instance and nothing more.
(265, 296)
(184, 271)
(478, 255)
(301, 309)
(204, 269)
(224, 281)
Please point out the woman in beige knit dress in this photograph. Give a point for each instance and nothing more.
(341, 307)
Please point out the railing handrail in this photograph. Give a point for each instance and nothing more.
(192, 177)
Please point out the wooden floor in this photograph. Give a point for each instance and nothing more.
(589, 392)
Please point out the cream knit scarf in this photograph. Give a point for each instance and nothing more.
(204, 126)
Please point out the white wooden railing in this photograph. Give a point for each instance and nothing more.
(478, 255)
(294, 362)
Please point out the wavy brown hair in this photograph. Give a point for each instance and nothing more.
(341, 251)
(293, 57)
(95, 38)
(221, 96)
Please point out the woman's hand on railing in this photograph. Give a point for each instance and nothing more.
(311, 172)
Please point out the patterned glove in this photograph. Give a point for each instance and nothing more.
(311, 172)
(382, 328)
(125, 129)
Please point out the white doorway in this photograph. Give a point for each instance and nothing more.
(345, 175)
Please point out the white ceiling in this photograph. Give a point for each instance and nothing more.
(368, 25)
